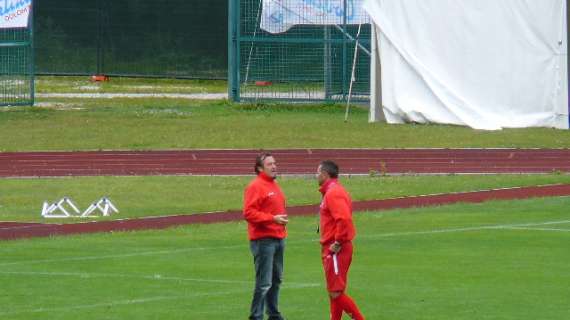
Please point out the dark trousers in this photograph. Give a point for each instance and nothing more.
(268, 260)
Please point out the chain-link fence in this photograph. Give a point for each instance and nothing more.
(169, 38)
(310, 59)
(299, 50)
(16, 64)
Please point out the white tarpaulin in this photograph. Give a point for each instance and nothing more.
(487, 64)
(14, 13)
(280, 15)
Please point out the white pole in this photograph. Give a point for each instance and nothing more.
(251, 48)
(353, 74)
(373, 113)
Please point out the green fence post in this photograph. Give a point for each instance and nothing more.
(345, 40)
(233, 50)
(327, 63)
(31, 64)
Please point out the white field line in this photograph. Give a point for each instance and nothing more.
(154, 277)
(116, 303)
(539, 229)
(120, 256)
(289, 242)
(135, 301)
(465, 229)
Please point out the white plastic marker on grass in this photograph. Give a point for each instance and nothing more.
(57, 209)
(104, 205)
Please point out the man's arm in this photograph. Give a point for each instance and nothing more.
(251, 204)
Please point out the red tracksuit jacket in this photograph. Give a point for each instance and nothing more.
(335, 214)
(264, 199)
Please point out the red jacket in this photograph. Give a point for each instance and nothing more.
(264, 199)
(335, 214)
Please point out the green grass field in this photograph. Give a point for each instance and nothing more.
(498, 260)
(21, 199)
(143, 124)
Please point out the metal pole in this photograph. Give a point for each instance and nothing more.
(32, 64)
(375, 80)
(327, 63)
(568, 56)
(251, 48)
(233, 50)
(353, 74)
(344, 52)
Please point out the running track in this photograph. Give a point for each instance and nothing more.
(296, 161)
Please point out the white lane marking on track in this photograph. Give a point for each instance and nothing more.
(290, 242)
(155, 277)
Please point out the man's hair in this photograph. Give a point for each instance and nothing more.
(259, 161)
(330, 167)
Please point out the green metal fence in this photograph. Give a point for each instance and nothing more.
(149, 38)
(16, 66)
(311, 61)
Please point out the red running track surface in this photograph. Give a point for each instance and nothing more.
(294, 161)
(11, 230)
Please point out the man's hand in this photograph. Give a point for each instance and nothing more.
(335, 247)
(281, 219)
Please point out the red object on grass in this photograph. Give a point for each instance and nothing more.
(263, 83)
(99, 77)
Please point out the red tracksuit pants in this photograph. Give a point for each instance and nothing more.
(336, 266)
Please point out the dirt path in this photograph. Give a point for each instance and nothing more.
(190, 96)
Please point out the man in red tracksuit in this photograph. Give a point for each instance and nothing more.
(264, 211)
(337, 231)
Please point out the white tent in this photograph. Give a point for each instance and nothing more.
(486, 64)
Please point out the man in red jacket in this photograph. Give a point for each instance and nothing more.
(337, 232)
(264, 211)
